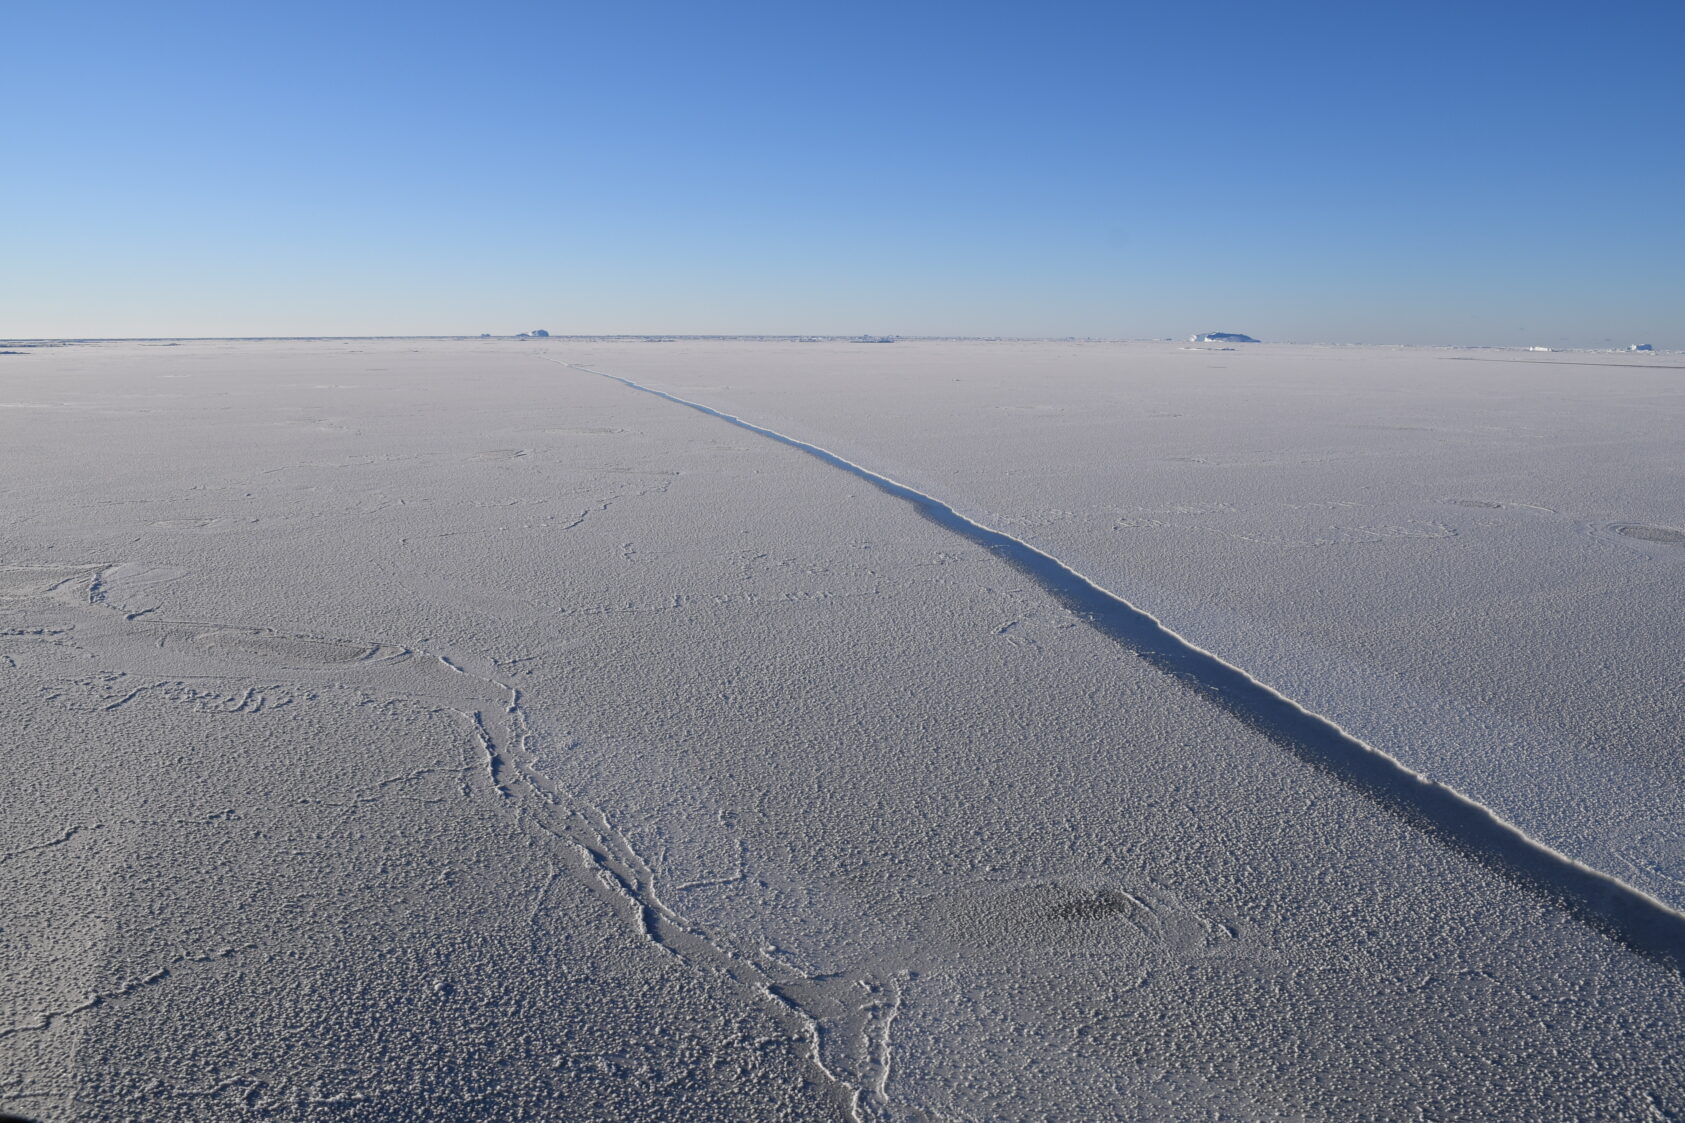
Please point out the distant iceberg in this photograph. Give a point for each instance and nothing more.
(1221, 337)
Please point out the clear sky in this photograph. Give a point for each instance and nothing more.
(1476, 171)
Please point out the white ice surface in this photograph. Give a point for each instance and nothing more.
(1473, 562)
(425, 731)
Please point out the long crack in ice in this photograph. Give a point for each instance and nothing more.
(1641, 922)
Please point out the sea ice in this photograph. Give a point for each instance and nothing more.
(425, 730)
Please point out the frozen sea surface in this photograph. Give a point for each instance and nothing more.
(425, 730)
(1472, 560)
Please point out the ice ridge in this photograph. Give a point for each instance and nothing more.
(1627, 914)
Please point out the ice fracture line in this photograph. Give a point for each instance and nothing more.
(1633, 917)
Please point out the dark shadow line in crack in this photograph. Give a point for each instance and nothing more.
(1628, 915)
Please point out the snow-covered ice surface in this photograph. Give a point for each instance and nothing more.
(424, 730)
(1471, 559)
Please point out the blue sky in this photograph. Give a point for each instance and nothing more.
(1472, 172)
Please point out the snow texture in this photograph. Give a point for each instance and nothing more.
(413, 730)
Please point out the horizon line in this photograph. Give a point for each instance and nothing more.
(823, 337)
